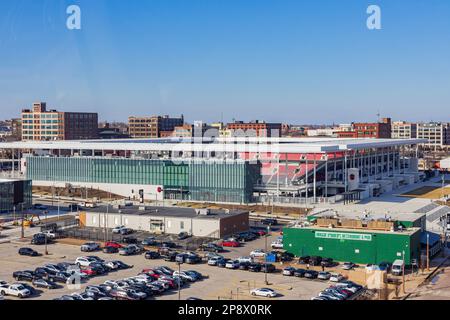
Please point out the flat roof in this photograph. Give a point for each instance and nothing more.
(175, 212)
(408, 231)
(237, 144)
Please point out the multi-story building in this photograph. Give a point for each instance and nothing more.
(153, 127)
(376, 130)
(404, 130)
(41, 124)
(198, 130)
(437, 134)
(255, 128)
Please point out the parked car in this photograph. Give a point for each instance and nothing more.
(186, 275)
(17, 290)
(257, 253)
(130, 250)
(26, 275)
(311, 274)
(150, 241)
(116, 230)
(39, 239)
(113, 244)
(300, 273)
(244, 265)
(168, 244)
(268, 268)
(324, 275)
(397, 267)
(245, 259)
(74, 207)
(277, 244)
(254, 267)
(122, 265)
(269, 222)
(264, 292)
(42, 283)
(213, 261)
(110, 250)
(221, 263)
(183, 235)
(232, 264)
(231, 243)
(327, 262)
(348, 265)
(384, 266)
(50, 234)
(129, 240)
(336, 277)
(315, 260)
(192, 259)
(211, 247)
(289, 271)
(152, 255)
(28, 252)
(170, 256)
(304, 260)
(90, 246)
(39, 206)
(84, 261)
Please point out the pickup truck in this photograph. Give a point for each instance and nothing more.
(16, 290)
(49, 234)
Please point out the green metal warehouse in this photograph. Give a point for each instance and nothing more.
(355, 245)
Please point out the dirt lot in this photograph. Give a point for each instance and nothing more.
(219, 284)
(428, 192)
(75, 192)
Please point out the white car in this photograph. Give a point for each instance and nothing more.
(84, 261)
(277, 244)
(264, 292)
(184, 275)
(49, 234)
(112, 265)
(257, 253)
(232, 264)
(336, 277)
(16, 290)
(213, 261)
(90, 246)
(245, 259)
(117, 230)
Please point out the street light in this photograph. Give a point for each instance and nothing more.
(46, 248)
(179, 280)
(403, 272)
(428, 252)
(265, 256)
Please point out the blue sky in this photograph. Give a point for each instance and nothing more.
(293, 61)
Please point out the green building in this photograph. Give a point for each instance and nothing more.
(221, 181)
(15, 193)
(355, 245)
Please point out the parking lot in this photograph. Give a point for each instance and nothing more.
(219, 283)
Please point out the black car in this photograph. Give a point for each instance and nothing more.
(151, 241)
(327, 262)
(299, 273)
(222, 262)
(126, 231)
(192, 259)
(244, 265)
(41, 272)
(269, 222)
(211, 247)
(170, 256)
(42, 283)
(268, 268)
(39, 239)
(246, 236)
(311, 274)
(110, 249)
(304, 259)
(129, 240)
(168, 244)
(24, 275)
(28, 252)
(152, 255)
(122, 265)
(183, 235)
(254, 267)
(99, 268)
(60, 277)
(285, 256)
(74, 207)
(315, 260)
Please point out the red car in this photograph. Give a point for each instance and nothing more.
(152, 273)
(113, 244)
(261, 232)
(230, 243)
(89, 271)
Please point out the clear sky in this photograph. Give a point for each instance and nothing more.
(299, 61)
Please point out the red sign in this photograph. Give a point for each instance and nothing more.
(159, 189)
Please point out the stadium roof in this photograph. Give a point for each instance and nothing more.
(262, 145)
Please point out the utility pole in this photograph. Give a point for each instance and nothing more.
(428, 252)
(46, 248)
(403, 273)
(179, 281)
(265, 256)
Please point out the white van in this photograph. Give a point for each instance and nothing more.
(397, 267)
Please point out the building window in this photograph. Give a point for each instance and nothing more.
(356, 250)
(320, 248)
(182, 225)
(169, 224)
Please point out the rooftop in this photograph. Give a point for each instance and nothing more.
(176, 212)
(233, 144)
